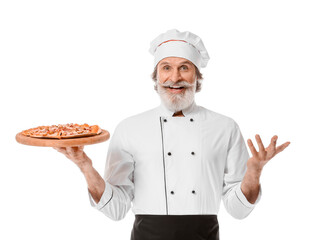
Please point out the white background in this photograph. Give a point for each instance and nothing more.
(88, 61)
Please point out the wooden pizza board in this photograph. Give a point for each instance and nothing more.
(79, 141)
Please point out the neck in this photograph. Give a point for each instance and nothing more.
(178, 114)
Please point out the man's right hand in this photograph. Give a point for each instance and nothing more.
(75, 154)
(96, 184)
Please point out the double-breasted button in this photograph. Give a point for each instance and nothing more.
(191, 120)
(193, 192)
(193, 153)
(165, 120)
(172, 192)
(169, 153)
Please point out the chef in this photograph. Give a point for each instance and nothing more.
(174, 163)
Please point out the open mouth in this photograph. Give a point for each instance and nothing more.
(175, 89)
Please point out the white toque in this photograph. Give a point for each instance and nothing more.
(179, 44)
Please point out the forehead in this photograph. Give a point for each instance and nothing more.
(175, 61)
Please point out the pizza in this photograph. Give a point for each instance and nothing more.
(61, 131)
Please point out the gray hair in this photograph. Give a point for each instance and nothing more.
(199, 77)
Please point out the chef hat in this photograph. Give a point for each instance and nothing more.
(179, 44)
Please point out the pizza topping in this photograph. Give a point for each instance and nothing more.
(63, 131)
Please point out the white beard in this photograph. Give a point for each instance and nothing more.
(177, 101)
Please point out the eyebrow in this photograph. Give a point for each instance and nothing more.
(184, 62)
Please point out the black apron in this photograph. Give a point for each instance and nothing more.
(175, 227)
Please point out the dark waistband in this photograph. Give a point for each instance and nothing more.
(174, 227)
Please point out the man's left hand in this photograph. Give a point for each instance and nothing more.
(261, 157)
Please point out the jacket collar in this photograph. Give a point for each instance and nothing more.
(189, 111)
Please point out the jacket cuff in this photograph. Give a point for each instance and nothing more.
(105, 197)
(244, 200)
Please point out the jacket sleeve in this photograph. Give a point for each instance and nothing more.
(234, 200)
(116, 200)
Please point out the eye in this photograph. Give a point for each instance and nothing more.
(184, 67)
(166, 67)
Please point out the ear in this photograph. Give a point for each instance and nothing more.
(157, 76)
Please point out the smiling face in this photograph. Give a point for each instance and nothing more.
(176, 82)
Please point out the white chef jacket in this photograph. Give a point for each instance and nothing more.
(169, 165)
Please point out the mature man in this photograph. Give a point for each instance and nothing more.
(177, 161)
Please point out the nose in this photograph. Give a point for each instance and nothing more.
(176, 76)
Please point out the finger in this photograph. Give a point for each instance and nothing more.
(57, 148)
(273, 142)
(252, 148)
(260, 144)
(60, 149)
(282, 147)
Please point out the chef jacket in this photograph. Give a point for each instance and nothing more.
(169, 165)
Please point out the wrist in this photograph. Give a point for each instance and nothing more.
(85, 164)
(84, 168)
(254, 172)
(254, 169)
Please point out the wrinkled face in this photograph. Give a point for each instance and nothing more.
(176, 82)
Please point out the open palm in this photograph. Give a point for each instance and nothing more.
(261, 157)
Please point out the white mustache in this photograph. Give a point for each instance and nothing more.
(170, 83)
